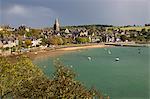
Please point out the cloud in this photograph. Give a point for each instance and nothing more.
(74, 12)
(30, 15)
(17, 10)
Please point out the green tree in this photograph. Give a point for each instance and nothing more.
(21, 32)
(28, 42)
(35, 32)
(123, 37)
(55, 40)
(82, 39)
(143, 31)
(44, 41)
(148, 35)
(141, 38)
(28, 34)
(13, 75)
(25, 80)
(67, 40)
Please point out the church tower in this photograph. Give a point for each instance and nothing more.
(56, 25)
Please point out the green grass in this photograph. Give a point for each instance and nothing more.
(137, 28)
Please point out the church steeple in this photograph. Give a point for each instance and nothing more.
(56, 25)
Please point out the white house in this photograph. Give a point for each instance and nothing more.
(17, 42)
(36, 42)
(118, 39)
(10, 44)
(67, 31)
(85, 33)
(27, 29)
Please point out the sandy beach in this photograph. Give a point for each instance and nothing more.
(83, 47)
(61, 51)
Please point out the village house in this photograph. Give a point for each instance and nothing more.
(95, 39)
(67, 30)
(9, 44)
(36, 42)
(66, 33)
(83, 33)
(75, 33)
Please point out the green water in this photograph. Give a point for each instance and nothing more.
(125, 79)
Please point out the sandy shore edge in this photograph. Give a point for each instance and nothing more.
(82, 47)
(61, 51)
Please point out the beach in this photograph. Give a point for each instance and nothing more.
(83, 47)
(60, 51)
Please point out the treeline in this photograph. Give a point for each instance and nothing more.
(147, 24)
(57, 40)
(87, 26)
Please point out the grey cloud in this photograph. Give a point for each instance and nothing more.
(72, 12)
(29, 15)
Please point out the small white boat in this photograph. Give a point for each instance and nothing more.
(44, 66)
(89, 58)
(109, 52)
(117, 59)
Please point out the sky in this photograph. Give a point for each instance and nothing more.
(42, 13)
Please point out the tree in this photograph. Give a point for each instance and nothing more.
(28, 42)
(55, 40)
(44, 41)
(21, 32)
(123, 38)
(148, 35)
(143, 31)
(141, 38)
(35, 32)
(28, 34)
(13, 75)
(25, 80)
(67, 40)
(82, 39)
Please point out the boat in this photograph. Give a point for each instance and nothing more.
(117, 59)
(89, 58)
(109, 52)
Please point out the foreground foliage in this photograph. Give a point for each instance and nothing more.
(23, 79)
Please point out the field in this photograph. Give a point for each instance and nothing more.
(137, 28)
